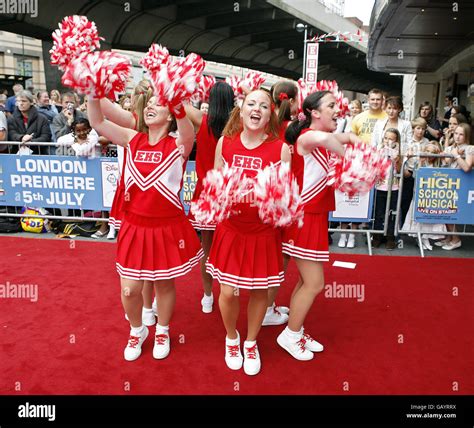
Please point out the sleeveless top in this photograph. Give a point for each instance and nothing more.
(236, 155)
(311, 172)
(153, 177)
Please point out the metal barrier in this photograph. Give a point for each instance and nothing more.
(399, 203)
(68, 151)
(369, 232)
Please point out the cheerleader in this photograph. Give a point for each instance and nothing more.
(245, 252)
(309, 245)
(209, 128)
(285, 97)
(133, 119)
(156, 241)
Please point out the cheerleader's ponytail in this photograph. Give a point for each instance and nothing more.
(310, 103)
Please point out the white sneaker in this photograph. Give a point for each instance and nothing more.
(207, 302)
(148, 317)
(233, 355)
(311, 344)
(111, 234)
(451, 246)
(283, 309)
(342, 241)
(252, 363)
(442, 243)
(351, 241)
(274, 317)
(425, 242)
(296, 348)
(134, 346)
(154, 306)
(161, 349)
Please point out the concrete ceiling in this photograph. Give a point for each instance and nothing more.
(410, 36)
(248, 33)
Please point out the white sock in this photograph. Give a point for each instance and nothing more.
(211, 297)
(147, 309)
(249, 343)
(233, 342)
(136, 331)
(294, 335)
(162, 328)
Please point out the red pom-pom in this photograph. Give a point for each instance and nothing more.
(252, 81)
(222, 190)
(100, 74)
(324, 85)
(76, 36)
(277, 196)
(359, 170)
(204, 89)
(156, 56)
(173, 81)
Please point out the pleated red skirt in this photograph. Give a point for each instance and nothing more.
(116, 212)
(246, 255)
(197, 225)
(309, 242)
(156, 248)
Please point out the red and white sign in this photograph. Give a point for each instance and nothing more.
(312, 51)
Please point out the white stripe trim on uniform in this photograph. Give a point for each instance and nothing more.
(201, 226)
(313, 191)
(156, 275)
(320, 159)
(114, 222)
(168, 194)
(146, 183)
(303, 253)
(244, 282)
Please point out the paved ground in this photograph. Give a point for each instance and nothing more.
(407, 246)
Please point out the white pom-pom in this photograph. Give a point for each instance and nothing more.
(277, 196)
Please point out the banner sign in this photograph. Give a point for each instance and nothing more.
(353, 209)
(58, 182)
(444, 195)
(189, 184)
(311, 73)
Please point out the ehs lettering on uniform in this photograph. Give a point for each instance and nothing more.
(247, 162)
(148, 157)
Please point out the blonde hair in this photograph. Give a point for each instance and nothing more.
(234, 125)
(434, 149)
(419, 121)
(141, 95)
(467, 132)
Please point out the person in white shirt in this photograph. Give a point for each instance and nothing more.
(394, 106)
(82, 139)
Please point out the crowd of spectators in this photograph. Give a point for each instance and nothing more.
(61, 118)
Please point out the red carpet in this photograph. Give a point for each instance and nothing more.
(71, 340)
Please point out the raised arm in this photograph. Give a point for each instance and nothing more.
(310, 140)
(117, 114)
(118, 134)
(185, 138)
(194, 114)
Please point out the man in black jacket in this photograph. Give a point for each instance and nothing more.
(27, 126)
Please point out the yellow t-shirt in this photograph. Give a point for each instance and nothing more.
(363, 124)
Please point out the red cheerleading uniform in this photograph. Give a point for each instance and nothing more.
(245, 252)
(206, 144)
(156, 242)
(311, 241)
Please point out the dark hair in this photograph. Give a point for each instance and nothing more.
(426, 104)
(80, 121)
(395, 101)
(450, 97)
(282, 92)
(221, 103)
(461, 109)
(460, 118)
(311, 102)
